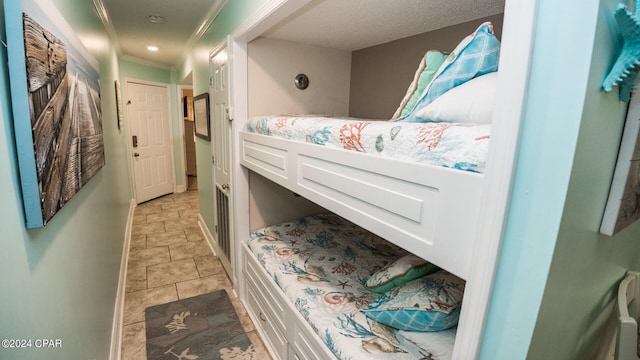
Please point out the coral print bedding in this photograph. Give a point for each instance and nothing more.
(322, 264)
(453, 145)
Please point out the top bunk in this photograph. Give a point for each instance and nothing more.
(405, 164)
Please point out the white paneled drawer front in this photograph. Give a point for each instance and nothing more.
(304, 347)
(264, 156)
(267, 293)
(273, 335)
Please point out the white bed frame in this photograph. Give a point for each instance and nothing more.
(428, 210)
(453, 218)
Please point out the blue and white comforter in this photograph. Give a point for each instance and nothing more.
(321, 263)
(451, 145)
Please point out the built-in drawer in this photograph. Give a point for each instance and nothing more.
(266, 291)
(304, 347)
(273, 336)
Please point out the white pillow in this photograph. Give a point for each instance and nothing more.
(471, 102)
(428, 345)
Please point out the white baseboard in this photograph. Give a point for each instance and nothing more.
(116, 331)
(207, 235)
(181, 188)
(216, 249)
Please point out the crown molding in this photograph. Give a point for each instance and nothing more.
(146, 62)
(206, 22)
(108, 25)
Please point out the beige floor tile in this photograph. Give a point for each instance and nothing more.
(176, 206)
(208, 265)
(188, 196)
(136, 279)
(194, 233)
(149, 256)
(261, 351)
(189, 250)
(167, 199)
(136, 302)
(139, 218)
(187, 289)
(166, 238)
(138, 242)
(188, 214)
(134, 346)
(245, 320)
(172, 272)
(178, 224)
(170, 259)
(163, 216)
(148, 208)
(148, 228)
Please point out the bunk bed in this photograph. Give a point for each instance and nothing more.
(353, 289)
(416, 180)
(422, 205)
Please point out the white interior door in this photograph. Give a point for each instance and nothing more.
(221, 151)
(151, 146)
(221, 129)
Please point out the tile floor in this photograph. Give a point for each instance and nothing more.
(169, 259)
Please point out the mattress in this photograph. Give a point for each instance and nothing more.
(321, 264)
(452, 145)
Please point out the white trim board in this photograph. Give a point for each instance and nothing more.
(118, 315)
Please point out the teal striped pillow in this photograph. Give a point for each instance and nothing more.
(430, 303)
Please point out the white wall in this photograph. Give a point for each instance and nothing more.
(272, 67)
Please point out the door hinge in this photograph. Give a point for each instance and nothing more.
(210, 81)
(213, 159)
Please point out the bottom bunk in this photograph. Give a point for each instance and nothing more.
(320, 287)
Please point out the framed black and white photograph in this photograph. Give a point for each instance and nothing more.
(623, 205)
(201, 116)
(57, 116)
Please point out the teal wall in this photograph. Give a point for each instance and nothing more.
(60, 281)
(136, 71)
(555, 288)
(197, 63)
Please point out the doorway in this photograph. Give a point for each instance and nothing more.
(189, 139)
(151, 146)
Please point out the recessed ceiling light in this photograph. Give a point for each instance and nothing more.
(156, 19)
(152, 48)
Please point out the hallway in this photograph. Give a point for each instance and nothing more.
(169, 259)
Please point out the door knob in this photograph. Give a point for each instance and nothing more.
(136, 154)
(225, 186)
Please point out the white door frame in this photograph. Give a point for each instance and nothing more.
(515, 63)
(127, 81)
(183, 153)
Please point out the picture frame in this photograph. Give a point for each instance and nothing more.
(119, 113)
(56, 105)
(623, 204)
(201, 116)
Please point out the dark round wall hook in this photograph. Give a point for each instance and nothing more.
(301, 81)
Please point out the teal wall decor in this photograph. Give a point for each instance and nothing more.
(625, 70)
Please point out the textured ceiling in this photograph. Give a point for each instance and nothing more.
(128, 19)
(357, 24)
(340, 24)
